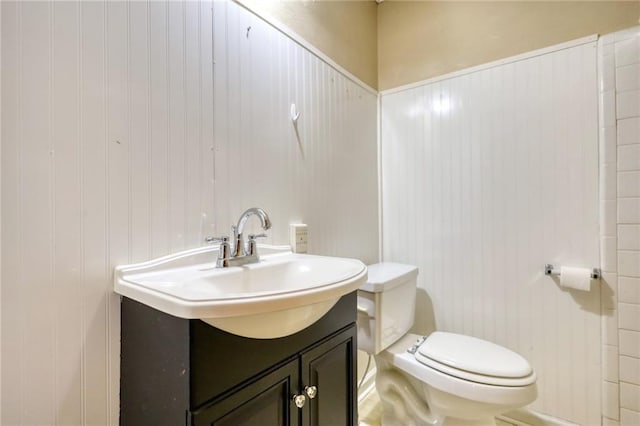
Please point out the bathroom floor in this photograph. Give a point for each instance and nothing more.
(370, 411)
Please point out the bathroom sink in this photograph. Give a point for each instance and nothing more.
(283, 293)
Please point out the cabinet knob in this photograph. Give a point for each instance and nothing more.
(299, 400)
(311, 391)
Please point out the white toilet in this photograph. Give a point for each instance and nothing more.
(443, 379)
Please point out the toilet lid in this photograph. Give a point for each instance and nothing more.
(474, 359)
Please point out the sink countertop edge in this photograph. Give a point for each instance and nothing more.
(229, 307)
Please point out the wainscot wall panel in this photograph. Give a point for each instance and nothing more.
(108, 150)
(486, 176)
(321, 171)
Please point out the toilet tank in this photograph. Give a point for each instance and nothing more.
(386, 305)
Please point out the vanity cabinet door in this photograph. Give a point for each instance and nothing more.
(265, 401)
(329, 381)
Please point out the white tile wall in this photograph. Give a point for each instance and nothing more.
(629, 396)
(610, 400)
(629, 184)
(623, 112)
(629, 417)
(629, 369)
(629, 316)
(628, 104)
(113, 152)
(629, 263)
(629, 131)
(627, 51)
(629, 157)
(481, 188)
(629, 343)
(629, 290)
(627, 78)
(628, 210)
(609, 422)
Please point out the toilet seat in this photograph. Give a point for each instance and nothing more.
(398, 356)
(476, 360)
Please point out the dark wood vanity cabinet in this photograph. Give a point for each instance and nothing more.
(186, 372)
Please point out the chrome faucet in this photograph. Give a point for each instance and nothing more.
(238, 253)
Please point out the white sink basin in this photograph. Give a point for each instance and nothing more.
(282, 294)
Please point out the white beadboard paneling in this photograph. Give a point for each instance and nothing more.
(108, 150)
(11, 298)
(0, 210)
(80, 74)
(97, 316)
(66, 200)
(320, 174)
(486, 177)
(35, 198)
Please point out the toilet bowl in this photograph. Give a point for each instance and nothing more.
(442, 379)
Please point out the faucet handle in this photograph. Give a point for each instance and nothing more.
(252, 249)
(213, 240)
(223, 251)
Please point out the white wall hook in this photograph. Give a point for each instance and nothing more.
(295, 114)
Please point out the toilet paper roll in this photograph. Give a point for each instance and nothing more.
(576, 278)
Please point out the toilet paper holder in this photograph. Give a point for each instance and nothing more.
(549, 270)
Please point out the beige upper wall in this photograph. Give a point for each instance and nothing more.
(418, 40)
(401, 42)
(346, 31)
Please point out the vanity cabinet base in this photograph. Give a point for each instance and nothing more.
(176, 371)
